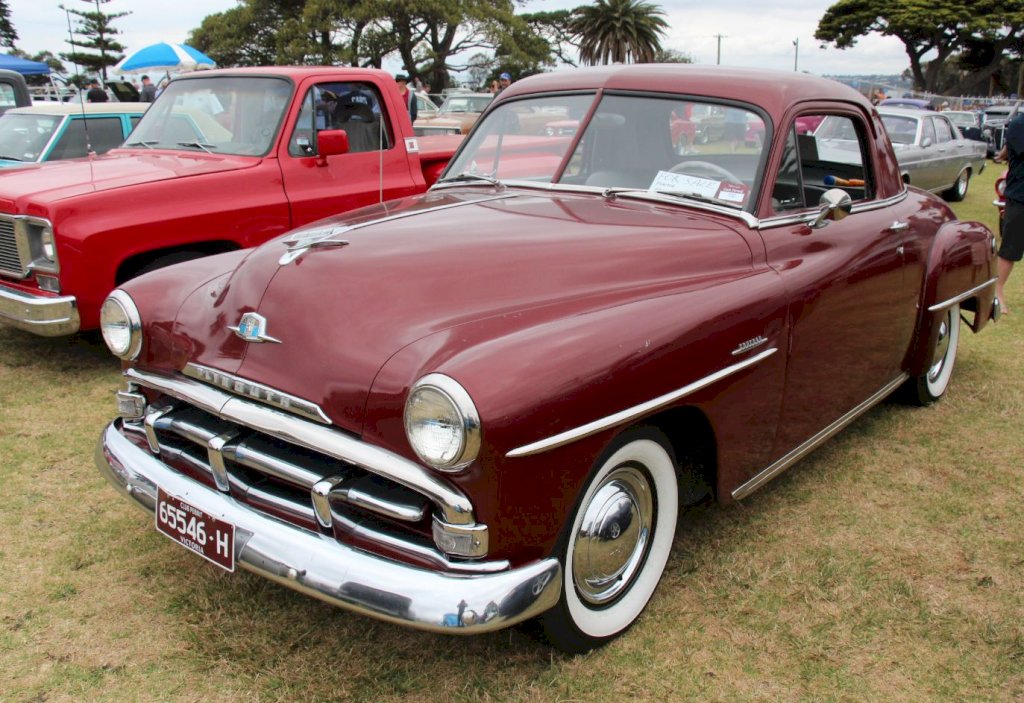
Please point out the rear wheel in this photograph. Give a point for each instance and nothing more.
(618, 542)
(931, 385)
(959, 190)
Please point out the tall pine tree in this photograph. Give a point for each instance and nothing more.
(94, 31)
(8, 35)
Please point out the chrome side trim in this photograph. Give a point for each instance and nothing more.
(962, 297)
(636, 411)
(805, 217)
(257, 391)
(456, 601)
(804, 449)
(454, 506)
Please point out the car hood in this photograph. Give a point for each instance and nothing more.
(445, 261)
(56, 180)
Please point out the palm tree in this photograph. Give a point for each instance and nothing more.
(618, 31)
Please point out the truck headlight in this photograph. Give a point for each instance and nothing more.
(442, 423)
(42, 246)
(121, 325)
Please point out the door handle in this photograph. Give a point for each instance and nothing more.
(898, 226)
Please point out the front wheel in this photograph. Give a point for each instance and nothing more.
(618, 542)
(931, 385)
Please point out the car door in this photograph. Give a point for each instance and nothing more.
(851, 312)
(373, 170)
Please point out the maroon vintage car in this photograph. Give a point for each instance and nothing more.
(460, 410)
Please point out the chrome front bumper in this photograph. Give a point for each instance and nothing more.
(42, 315)
(320, 566)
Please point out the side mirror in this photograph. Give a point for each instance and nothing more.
(835, 204)
(330, 142)
(926, 142)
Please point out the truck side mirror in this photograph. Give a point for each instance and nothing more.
(330, 142)
(926, 142)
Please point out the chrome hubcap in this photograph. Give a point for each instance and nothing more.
(941, 349)
(614, 536)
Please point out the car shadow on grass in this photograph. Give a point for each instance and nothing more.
(84, 351)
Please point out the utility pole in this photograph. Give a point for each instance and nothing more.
(796, 51)
(718, 58)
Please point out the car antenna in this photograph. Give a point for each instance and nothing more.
(81, 102)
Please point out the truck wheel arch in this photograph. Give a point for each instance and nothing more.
(144, 262)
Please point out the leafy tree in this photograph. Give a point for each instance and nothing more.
(618, 31)
(924, 26)
(246, 35)
(672, 56)
(97, 32)
(8, 35)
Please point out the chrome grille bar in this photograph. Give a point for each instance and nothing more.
(10, 258)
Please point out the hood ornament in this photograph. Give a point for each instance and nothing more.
(252, 328)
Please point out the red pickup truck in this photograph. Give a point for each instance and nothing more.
(223, 160)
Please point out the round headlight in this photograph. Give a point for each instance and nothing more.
(442, 423)
(121, 325)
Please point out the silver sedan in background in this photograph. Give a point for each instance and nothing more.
(931, 152)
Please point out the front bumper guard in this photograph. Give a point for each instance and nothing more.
(320, 566)
(39, 314)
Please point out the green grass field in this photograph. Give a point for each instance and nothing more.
(887, 566)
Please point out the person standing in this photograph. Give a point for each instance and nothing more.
(504, 81)
(148, 92)
(96, 94)
(407, 95)
(1011, 250)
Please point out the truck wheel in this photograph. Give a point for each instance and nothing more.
(931, 385)
(618, 542)
(959, 190)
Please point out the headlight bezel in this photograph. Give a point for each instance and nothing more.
(42, 244)
(133, 321)
(451, 391)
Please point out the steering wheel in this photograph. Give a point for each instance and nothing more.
(705, 169)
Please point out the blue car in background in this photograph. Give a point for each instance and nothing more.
(49, 131)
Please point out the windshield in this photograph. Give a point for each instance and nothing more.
(467, 103)
(901, 130)
(687, 148)
(221, 114)
(24, 137)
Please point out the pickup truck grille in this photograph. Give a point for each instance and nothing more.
(305, 473)
(10, 259)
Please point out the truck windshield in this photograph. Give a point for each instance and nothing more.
(237, 115)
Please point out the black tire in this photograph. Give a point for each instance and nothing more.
(932, 384)
(959, 189)
(616, 542)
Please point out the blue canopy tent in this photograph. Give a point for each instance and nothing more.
(23, 66)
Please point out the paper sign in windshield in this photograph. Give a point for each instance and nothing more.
(704, 187)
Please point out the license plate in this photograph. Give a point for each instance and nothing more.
(210, 538)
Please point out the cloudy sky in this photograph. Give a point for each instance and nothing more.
(751, 36)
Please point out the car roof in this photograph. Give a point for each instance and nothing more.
(775, 91)
(75, 108)
(912, 112)
(913, 103)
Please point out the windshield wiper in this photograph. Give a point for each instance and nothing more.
(465, 177)
(208, 148)
(139, 142)
(610, 193)
(10, 158)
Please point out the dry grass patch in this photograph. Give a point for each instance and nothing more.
(887, 566)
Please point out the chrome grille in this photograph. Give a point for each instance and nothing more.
(10, 259)
(278, 477)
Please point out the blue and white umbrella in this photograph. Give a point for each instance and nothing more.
(164, 57)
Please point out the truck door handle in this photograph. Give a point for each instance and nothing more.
(898, 226)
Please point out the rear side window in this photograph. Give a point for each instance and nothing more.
(105, 133)
(831, 155)
(942, 131)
